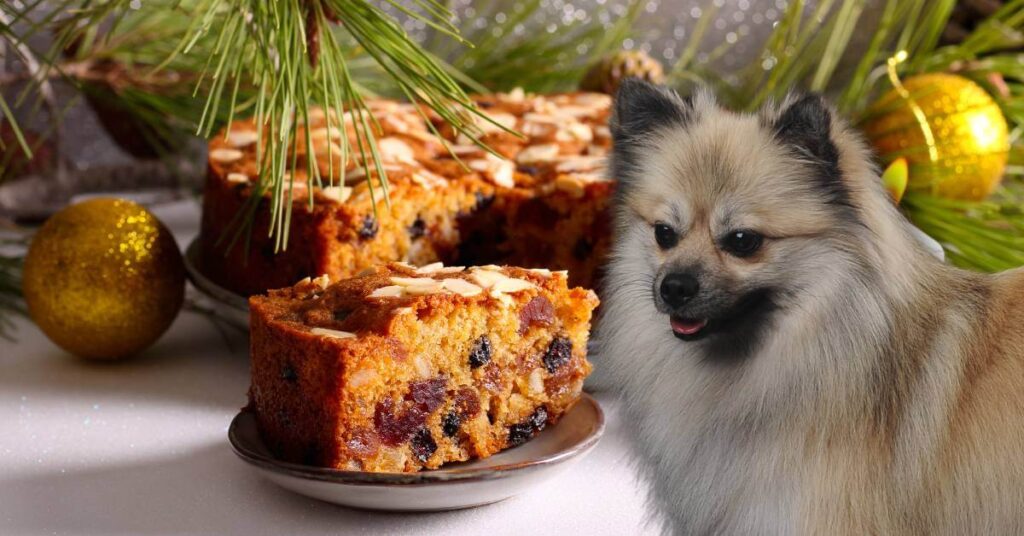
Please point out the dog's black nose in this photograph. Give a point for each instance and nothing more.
(677, 289)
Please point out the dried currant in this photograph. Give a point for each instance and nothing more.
(451, 423)
(480, 353)
(559, 352)
(528, 169)
(369, 228)
(288, 373)
(483, 201)
(423, 445)
(524, 431)
(418, 228)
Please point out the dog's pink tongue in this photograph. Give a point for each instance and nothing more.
(687, 327)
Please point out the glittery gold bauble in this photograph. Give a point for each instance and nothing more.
(103, 279)
(606, 75)
(952, 133)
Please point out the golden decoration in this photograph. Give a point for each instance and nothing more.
(951, 132)
(103, 279)
(606, 75)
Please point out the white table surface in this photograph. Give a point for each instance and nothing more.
(140, 447)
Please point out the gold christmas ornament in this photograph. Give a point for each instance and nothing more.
(606, 75)
(103, 279)
(952, 133)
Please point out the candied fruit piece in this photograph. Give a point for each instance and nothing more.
(538, 311)
(423, 445)
(480, 353)
(558, 353)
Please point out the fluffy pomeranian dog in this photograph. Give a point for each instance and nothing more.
(792, 359)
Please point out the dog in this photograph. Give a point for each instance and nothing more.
(792, 360)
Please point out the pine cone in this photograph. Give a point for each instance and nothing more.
(606, 75)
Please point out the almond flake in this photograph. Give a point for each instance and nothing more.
(450, 270)
(580, 163)
(327, 133)
(242, 138)
(516, 95)
(323, 281)
(430, 268)
(225, 156)
(238, 177)
(395, 150)
(487, 278)
(506, 120)
(570, 185)
(360, 171)
(602, 131)
(332, 333)
(501, 172)
(392, 291)
(403, 310)
(543, 272)
(538, 153)
(461, 287)
(423, 290)
(410, 281)
(337, 193)
(579, 132)
(511, 285)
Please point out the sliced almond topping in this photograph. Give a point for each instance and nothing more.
(410, 281)
(594, 100)
(591, 177)
(337, 193)
(242, 138)
(238, 177)
(403, 310)
(501, 172)
(428, 179)
(506, 120)
(392, 291)
(561, 273)
(404, 264)
(464, 149)
(538, 153)
(226, 156)
(577, 132)
(511, 285)
(487, 278)
(516, 95)
(333, 333)
(429, 268)
(461, 287)
(580, 163)
(325, 133)
(543, 272)
(395, 150)
(426, 289)
(359, 172)
(323, 281)
(304, 280)
(570, 185)
(536, 130)
(450, 270)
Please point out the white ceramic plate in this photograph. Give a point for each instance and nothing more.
(228, 305)
(455, 486)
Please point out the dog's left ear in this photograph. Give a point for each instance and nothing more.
(805, 124)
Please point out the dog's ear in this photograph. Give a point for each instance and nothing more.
(805, 125)
(642, 107)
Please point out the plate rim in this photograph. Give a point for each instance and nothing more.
(206, 286)
(243, 450)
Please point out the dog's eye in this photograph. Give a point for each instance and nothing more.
(665, 235)
(742, 243)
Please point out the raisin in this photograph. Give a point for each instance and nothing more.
(288, 373)
(395, 426)
(483, 201)
(538, 311)
(340, 315)
(466, 402)
(529, 170)
(524, 431)
(559, 352)
(480, 353)
(582, 250)
(428, 395)
(369, 228)
(451, 423)
(423, 445)
(418, 228)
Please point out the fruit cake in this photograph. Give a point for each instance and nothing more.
(542, 203)
(405, 368)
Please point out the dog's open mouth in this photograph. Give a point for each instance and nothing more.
(688, 329)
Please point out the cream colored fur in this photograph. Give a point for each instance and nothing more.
(887, 397)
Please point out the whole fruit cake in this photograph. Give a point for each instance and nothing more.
(543, 204)
(407, 368)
